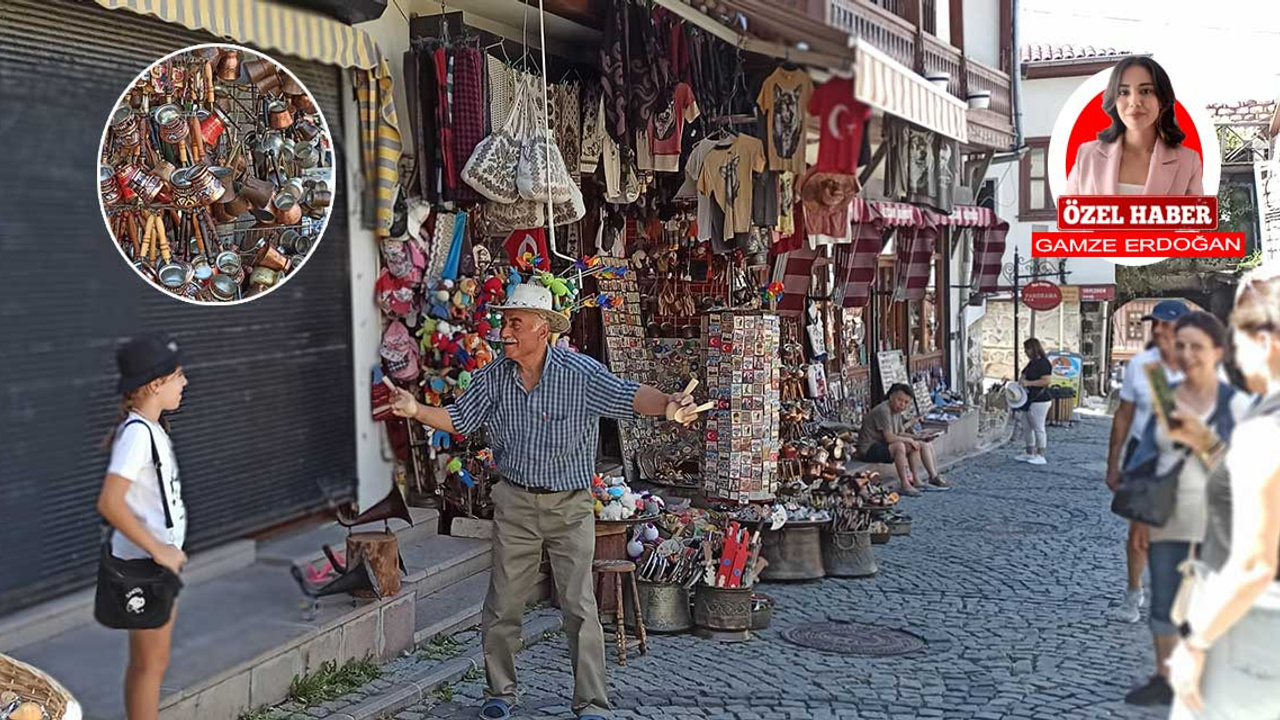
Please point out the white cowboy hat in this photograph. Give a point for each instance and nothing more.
(1015, 396)
(536, 299)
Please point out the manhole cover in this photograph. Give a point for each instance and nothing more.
(1018, 527)
(854, 639)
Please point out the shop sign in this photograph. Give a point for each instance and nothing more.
(1041, 295)
(1097, 293)
(1070, 294)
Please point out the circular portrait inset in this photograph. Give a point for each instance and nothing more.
(1125, 131)
(216, 174)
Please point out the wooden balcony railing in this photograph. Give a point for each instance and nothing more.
(880, 27)
(882, 24)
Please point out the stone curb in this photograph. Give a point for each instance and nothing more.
(420, 685)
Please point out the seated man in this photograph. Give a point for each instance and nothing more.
(882, 439)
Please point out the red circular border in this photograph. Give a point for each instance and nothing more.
(1093, 120)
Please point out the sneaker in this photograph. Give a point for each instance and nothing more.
(1143, 597)
(1155, 692)
(1037, 460)
(1129, 610)
(1023, 457)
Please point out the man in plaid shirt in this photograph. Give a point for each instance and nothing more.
(541, 407)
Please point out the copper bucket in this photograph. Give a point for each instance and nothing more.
(304, 104)
(722, 613)
(665, 607)
(286, 209)
(125, 126)
(259, 192)
(848, 554)
(229, 66)
(794, 552)
(263, 73)
(290, 85)
(279, 115)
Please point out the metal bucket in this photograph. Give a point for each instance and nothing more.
(794, 553)
(665, 607)
(722, 613)
(848, 554)
(761, 612)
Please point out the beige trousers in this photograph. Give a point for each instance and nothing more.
(524, 523)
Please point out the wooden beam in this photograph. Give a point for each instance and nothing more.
(957, 24)
(749, 44)
(1007, 57)
(588, 13)
(876, 158)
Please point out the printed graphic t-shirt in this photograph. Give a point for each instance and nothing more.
(658, 147)
(727, 178)
(131, 459)
(843, 121)
(784, 98)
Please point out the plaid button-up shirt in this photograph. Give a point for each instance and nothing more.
(545, 438)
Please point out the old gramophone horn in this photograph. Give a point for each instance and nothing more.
(338, 566)
(392, 506)
(360, 577)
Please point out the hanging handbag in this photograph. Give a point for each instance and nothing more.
(136, 594)
(1147, 496)
(491, 169)
(541, 172)
(1193, 572)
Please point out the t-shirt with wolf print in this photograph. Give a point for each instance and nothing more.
(784, 98)
(727, 177)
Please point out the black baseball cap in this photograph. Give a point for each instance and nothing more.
(145, 358)
(1167, 311)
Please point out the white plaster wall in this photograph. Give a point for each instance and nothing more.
(374, 459)
(982, 31)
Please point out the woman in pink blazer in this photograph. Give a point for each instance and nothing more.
(1142, 152)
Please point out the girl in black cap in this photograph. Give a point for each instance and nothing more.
(146, 511)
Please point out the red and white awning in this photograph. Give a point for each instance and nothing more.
(988, 255)
(888, 85)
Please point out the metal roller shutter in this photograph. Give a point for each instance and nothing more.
(266, 432)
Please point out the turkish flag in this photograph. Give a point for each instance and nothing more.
(528, 241)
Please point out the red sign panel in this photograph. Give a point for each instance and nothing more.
(1097, 293)
(1041, 295)
(1138, 212)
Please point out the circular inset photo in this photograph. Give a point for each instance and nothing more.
(216, 174)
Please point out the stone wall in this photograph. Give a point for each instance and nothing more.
(997, 334)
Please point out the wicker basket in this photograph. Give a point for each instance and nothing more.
(32, 684)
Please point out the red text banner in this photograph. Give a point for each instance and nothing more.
(1137, 244)
(1138, 212)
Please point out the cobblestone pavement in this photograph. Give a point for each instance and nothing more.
(1009, 579)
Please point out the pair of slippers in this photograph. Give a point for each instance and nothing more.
(498, 709)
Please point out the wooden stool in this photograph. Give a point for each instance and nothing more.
(618, 568)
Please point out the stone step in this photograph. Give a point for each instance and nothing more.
(57, 616)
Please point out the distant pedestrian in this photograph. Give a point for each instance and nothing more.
(1128, 423)
(141, 500)
(1036, 377)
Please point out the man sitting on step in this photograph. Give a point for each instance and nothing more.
(883, 439)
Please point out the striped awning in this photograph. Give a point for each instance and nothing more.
(274, 26)
(916, 247)
(267, 25)
(988, 255)
(888, 85)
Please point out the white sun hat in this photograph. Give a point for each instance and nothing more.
(1015, 396)
(537, 299)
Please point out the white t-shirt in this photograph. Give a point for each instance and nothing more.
(1137, 390)
(1190, 515)
(131, 459)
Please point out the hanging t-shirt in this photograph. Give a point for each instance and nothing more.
(131, 459)
(842, 120)
(727, 178)
(710, 216)
(784, 98)
(658, 147)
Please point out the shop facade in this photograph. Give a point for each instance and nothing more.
(267, 430)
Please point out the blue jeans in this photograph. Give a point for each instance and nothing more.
(1163, 558)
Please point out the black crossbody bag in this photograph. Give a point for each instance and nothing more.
(136, 594)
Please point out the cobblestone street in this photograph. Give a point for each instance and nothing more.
(1009, 580)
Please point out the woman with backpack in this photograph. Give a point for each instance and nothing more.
(1199, 348)
(141, 500)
